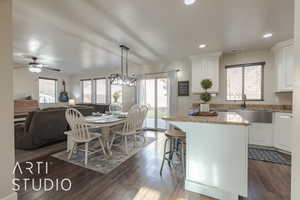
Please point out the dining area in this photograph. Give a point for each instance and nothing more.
(102, 133)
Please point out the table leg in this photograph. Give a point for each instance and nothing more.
(106, 140)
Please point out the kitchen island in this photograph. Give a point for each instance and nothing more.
(216, 154)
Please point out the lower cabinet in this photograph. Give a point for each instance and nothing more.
(283, 131)
(261, 134)
(277, 134)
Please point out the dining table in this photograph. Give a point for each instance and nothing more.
(105, 123)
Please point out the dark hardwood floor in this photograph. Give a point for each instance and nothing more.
(138, 179)
(22, 155)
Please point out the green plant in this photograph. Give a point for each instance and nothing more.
(205, 96)
(206, 84)
(116, 96)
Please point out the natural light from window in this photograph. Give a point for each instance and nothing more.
(101, 87)
(245, 80)
(47, 90)
(86, 86)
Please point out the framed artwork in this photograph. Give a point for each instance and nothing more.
(183, 88)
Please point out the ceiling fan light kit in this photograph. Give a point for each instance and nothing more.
(34, 66)
(34, 69)
(123, 78)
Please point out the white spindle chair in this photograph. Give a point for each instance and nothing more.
(80, 133)
(143, 115)
(130, 126)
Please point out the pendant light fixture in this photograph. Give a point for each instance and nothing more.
(123, 78)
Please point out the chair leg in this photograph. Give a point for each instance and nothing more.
(126, 145)
(182, 158)
(86, 153)
(172, 146)
(135, 143)
(102, 147)
(112, 140)
(72, 150)
(163, 161)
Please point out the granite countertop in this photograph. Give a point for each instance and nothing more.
(260, 107)
(230, 118)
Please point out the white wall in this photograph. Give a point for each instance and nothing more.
(296, 119)
(184, 103)
(6, 105)
(128, 92)
(26, 83)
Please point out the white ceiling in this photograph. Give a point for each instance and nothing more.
(75, 35)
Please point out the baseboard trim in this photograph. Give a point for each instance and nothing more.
(12, 196)
(209, 191)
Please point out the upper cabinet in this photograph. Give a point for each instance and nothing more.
(284, 62)
(205, 66)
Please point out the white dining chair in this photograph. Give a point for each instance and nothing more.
(130, 127)
(142, 116)
(80, 133)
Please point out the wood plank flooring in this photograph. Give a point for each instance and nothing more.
(138, 179)
(22, 155)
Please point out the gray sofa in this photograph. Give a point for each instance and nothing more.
(44, 127)
(101, 108)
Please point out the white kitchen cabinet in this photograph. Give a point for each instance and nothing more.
(205, 66)
(284, 62)
(283, 131)
(261, 134)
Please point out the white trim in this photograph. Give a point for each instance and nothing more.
(209, 191)
(12, 196)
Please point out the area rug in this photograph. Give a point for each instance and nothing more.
(98, 162)
(267, 156)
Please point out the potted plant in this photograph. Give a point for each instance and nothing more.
(116, 96)
(205, 96)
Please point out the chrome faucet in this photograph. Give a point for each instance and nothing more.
(244, 98)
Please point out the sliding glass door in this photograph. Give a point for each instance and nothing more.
(155, 94)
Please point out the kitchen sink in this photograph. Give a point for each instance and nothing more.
(256, 116)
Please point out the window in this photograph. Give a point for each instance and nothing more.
(245, 79)
(116, 94)
(86, 91)
(47, 90)
(101, 91)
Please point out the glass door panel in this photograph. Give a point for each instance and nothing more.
(155, 94)
(150, 101)
(162, 102)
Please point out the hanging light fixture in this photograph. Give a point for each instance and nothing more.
(123, 78)
(34, 69)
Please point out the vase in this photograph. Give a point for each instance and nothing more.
(204, 107)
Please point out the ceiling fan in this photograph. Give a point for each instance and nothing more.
(35, 66)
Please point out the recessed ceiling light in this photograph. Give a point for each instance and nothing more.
(201, 46)
(189, 2)
(267, 35)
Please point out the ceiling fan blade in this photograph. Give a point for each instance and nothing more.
(51, 69)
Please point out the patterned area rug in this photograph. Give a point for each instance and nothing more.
(98, 162)
(267, 156)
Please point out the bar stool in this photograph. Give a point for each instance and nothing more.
(174, 137)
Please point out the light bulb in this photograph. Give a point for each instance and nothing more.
(189, 2)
